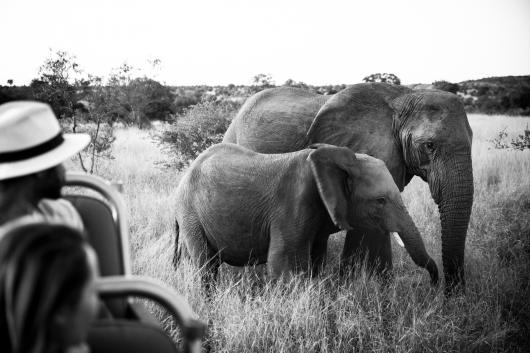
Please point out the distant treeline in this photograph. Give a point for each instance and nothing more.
(153, 100)
(493, 95)
(508, 95)
(499, 95)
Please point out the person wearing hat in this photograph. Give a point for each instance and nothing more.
(32, 150)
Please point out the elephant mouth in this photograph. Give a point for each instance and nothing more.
(373, 226)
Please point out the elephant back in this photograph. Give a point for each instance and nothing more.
(275, 120)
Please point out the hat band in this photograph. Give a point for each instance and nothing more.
(32, 151)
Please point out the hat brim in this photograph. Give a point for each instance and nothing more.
(72, 144)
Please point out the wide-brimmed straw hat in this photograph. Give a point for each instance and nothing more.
(31, 139)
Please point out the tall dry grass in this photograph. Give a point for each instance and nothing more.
(247, 313)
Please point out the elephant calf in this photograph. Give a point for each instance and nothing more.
(242, 207)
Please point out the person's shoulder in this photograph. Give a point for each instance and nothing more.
(26, 219)
(58, 205)
(60, 211)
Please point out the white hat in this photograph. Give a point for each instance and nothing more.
(31, 139)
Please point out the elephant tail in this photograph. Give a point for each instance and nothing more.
(178, 250)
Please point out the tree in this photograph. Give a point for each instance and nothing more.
(263, 80)
(98, 110)
(59, 83)
(141, 98)
(147, 99)
(383, 77)
(10, 82)
(83, 104)
(292, 83)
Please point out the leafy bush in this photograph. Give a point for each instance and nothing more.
(521, 142)
(198, 128)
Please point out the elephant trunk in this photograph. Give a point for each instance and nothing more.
(454, 203)
(414, 245)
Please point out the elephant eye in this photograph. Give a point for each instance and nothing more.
(429, 146)
(381, 201)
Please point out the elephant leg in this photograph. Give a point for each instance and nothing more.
(203, 257)
(373, 247)
(351, 249)
(287, 258)
(381, 261)
(277, 262)
(318, 254)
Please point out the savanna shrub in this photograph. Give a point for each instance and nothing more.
(196, 129)
(521, 142)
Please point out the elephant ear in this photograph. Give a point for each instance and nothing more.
(404, 108)
(334, 169)
(358, 117)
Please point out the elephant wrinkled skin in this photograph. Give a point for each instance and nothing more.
(415, 132)
(239, 207)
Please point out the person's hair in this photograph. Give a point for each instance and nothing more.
(19, 196)
(43, 268)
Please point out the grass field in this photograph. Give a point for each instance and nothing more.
(249, 314)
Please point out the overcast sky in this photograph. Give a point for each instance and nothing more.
(317, 42)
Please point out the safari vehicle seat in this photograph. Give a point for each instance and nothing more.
(105, 221)
(115, 336)
(131, 327)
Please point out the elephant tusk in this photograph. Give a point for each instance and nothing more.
(398, 239)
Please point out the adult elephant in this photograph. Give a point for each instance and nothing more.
(415, 132)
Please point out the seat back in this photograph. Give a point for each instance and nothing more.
(105, 222)
(102, 233)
